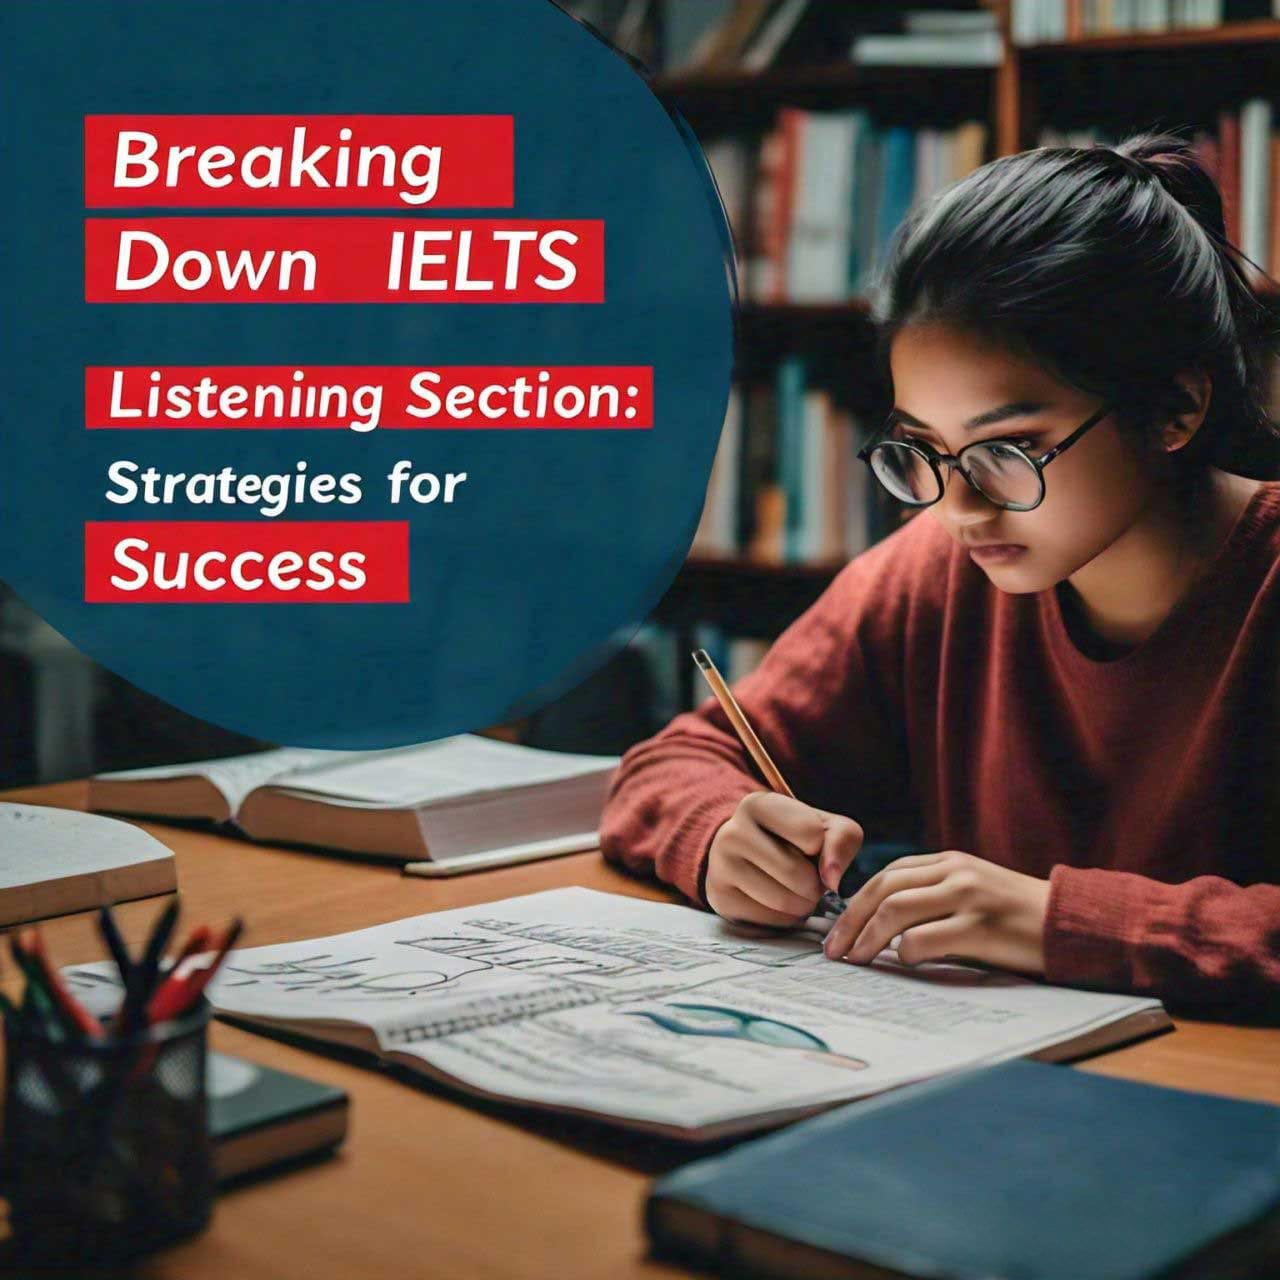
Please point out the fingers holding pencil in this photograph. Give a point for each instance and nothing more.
(768, 863)
(830, 840)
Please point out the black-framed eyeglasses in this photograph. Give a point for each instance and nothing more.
(1000, 470)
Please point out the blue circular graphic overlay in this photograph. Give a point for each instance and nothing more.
(560, 541)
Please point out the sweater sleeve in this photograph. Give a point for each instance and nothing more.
(823, 703)
(1206, 942)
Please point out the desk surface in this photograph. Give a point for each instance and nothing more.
(428, 1183)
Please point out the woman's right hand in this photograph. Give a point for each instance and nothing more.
(770, 861)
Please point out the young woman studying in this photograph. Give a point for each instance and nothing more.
(1060, 677)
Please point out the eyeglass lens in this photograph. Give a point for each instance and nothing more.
(998, 470)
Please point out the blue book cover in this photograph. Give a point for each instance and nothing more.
(791, 388)
(1022, 1170)
(898, 181)
(862, 212)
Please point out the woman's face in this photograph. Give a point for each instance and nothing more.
(1093, 492)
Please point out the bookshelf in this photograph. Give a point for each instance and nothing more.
(1177, 77)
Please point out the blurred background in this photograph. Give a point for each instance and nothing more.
(823, 122)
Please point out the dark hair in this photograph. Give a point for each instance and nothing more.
(1109, 266)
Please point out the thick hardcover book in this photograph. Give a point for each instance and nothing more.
(462, 801)
(1018, 1170)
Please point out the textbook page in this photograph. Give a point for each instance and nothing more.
(449, 770)
(660, 1016)
(236, 776)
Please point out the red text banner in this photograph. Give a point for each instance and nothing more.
(230, 562)
(368, 397)
(299, 162)
(356, 259)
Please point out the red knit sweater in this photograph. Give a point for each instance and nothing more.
(915, 696)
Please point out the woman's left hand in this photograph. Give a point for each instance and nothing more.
(946, 904)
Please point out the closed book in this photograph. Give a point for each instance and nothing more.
(767, 544)
(1272, 261)
(979, 49)
(1255, 182)
(969, 148)
(833, 483)
(791, 126)
(1020, 1170)
(818, 248)
(1229, 171)
(897, 192)
(949, 21)
(1153, 15)
(815, 475)
(927, 162)
(260, 1117)
(717, 534)
(791, 453)
(758, 464)
(771, 212)
(868, 163)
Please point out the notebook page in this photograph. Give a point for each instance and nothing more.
(785, 1030)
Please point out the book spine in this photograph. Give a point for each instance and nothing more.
(1272, 260)
(716, 533)
(1229, 171)
(791, 122)
(791, 388)
(1255, 148)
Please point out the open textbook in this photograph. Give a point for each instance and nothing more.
(455, 800)
(55, 861)
(652, 1016)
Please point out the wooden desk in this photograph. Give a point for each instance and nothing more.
(430, 1184)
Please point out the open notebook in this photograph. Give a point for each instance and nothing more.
(457, 802)
(652, 1016)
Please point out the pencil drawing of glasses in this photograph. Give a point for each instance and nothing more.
(735, 1024)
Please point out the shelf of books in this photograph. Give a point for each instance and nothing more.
(823, 125)
(1135, 25)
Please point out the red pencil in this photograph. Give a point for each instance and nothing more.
(185, 991)
(174, 983)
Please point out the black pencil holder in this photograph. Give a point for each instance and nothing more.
(106, 1152)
